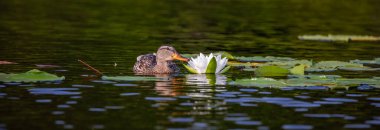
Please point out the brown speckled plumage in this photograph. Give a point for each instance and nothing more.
(161, 62)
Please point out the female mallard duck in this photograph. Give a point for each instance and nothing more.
(159, 63)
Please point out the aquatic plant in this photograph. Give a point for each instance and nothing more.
(34, 75)
(207, 64)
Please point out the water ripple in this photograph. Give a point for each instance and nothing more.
(296, 127)
(54, 91)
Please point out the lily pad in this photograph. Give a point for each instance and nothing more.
(30, 76)
(131, 78)
(289, 64)
(236, 63)
(364, 68)
(225, 69)
(271, 71)
(315, 76)
(302, 82)
(258, 82)
(263, 59)
(375, 61)
(298, 70)
(249, 68)
(358, 81)
(225, 54)
(191, 70)
(331, 81)
(332, 66)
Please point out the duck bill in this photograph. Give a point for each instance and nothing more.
(179, 57)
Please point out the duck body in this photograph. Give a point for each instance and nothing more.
(148, 64)
(159, 63)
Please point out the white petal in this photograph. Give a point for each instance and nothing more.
(221, 63)
(201, 62)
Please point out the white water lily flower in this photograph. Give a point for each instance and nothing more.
(201, 64)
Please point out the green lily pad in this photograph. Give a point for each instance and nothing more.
(263, 59)
(271, 71)
(259, 82)
(211, 67)
(225, 54)
(332, 66)
(312, 82)
(288, 64)
(132, 78)
(315, 76)
(331, 81)
(375, 61)
(357, 81)
(320, 69)
(238, 64)
(191, 70)
(225, 69)
(364, 68)
(34, 75)
(249, 68)
(298, 70)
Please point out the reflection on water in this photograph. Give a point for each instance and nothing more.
(52, 35)
(206, 79)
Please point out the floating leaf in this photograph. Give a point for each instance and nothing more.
(375, 61)
(225, 69)
(258, 82)
(211, 67)
(263, 59)
(131, 78)
(357, 81)
(315, 76)
(332, 66)
(289, 64)
(30, 76)
(331, 81)
(271, 71)
(225, 54)
(320, 69)
(298, 70)
(249, 68)
(364, 68)
(311, 82)
(235, 63)
(339, 38)
(191, 70)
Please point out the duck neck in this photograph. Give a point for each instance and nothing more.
(162, 66)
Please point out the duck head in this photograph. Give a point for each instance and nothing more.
(168, 53)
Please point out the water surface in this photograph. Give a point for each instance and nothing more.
(53, 32)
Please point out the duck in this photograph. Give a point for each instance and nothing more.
(161, 62)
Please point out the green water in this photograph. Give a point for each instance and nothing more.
(117, 31)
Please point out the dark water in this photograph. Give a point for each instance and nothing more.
(116, 31)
